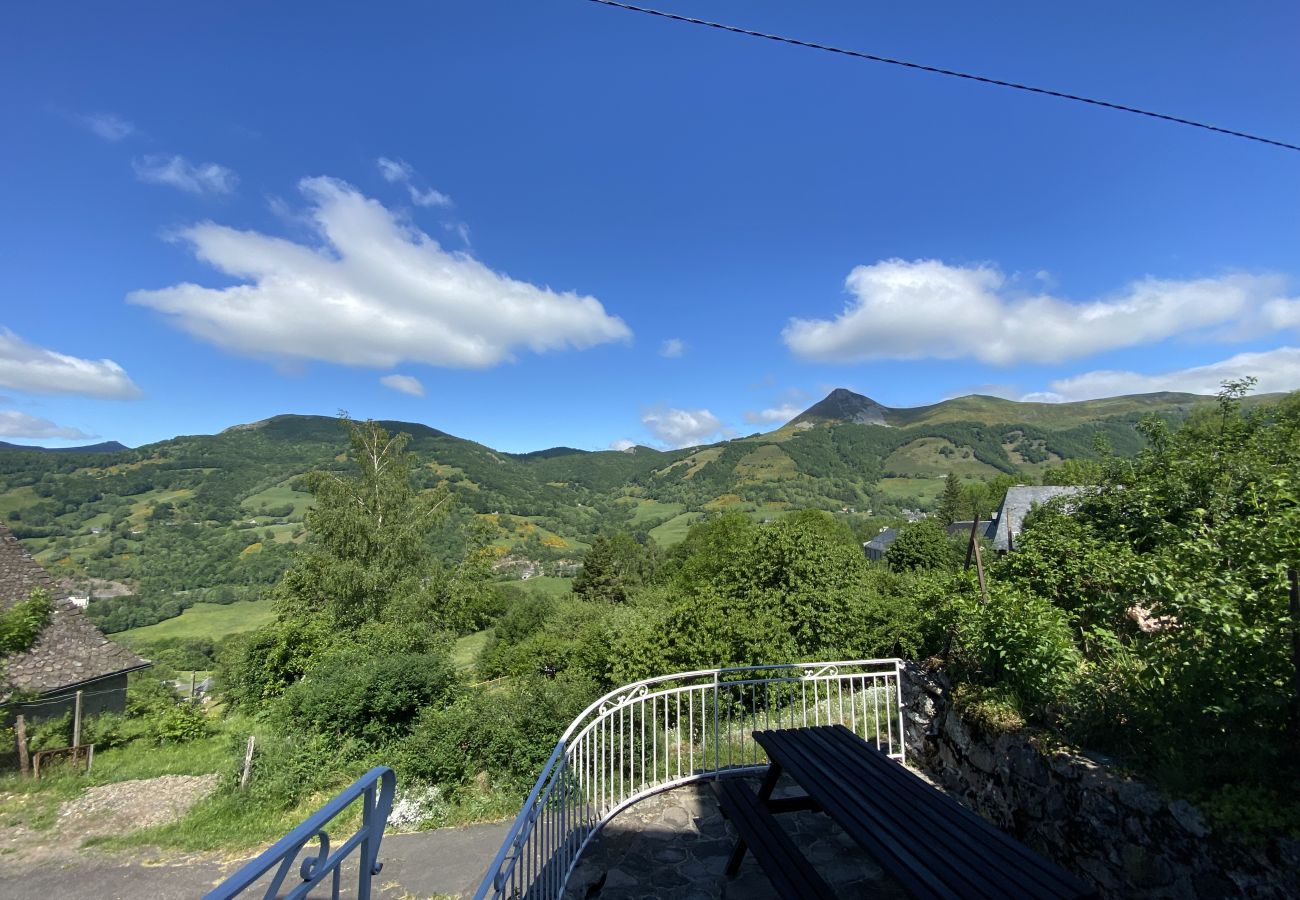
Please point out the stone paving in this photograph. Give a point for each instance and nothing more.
(675, 845)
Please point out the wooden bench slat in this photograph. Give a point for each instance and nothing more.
(783, 863)
(899, 857)
(981, 855)
(1048, 878)
(884, 797)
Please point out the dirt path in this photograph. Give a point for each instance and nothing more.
(51, 864)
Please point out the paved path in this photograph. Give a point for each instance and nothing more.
(674, 846)
(448, 862)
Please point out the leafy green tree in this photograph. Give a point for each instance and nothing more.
(614, 568)
(368, 542)
(22, 623)
(920, 546)
(951, 500)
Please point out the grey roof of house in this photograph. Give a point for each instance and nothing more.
(882, 540)
(1019, 501)
(70, 650)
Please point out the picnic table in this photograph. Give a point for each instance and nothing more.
(931, 844)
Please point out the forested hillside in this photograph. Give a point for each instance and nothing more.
(216, 517)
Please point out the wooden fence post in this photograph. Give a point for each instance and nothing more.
(191, 685)
(248, 762)
(20, 728)
(76, 722)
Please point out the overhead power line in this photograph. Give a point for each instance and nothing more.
(997, 82)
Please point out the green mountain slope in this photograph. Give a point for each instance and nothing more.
(215, 517)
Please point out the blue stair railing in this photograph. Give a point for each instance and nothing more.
(375, 791)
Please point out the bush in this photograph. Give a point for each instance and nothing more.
(508, 733)
(372, 697)
(179, 724)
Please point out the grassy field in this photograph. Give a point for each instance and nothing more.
(648, 510)
(212, 620)
(279, 495)
(467, 649)
(923, 456)
(674, 530)
(547, 585)
(926, 489)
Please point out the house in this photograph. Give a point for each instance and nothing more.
(1016, 505)
(876, 547)
(70, 654)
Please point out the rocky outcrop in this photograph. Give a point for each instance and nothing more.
(1127, 837)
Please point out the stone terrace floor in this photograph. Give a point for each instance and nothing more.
(675, 845)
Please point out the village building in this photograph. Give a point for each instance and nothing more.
(1018, 503)
(70, 655)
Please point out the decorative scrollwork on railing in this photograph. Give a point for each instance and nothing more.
(375, 791)
(624, 699)
(828, 671)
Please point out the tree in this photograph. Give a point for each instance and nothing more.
(368, 538)
(613, 568)
(951, 501)
(920, 546)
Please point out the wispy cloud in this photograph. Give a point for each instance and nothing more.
(930, 310)
(403, 384)
(180, 173)
(772, 415)
(396, 171)
(373, 291)
(683, 427)
(1277, 370)
(21, 425)
(109, 126)
(36, 370)
(622, 444)
(673, 348)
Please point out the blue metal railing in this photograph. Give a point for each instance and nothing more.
(375, 790)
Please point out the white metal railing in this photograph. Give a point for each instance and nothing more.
(662, 732)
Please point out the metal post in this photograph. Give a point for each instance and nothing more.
(76, 723)
(191, 685)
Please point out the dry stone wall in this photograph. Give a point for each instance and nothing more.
(1127, 837)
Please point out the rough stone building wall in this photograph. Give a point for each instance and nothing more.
(1127, 837)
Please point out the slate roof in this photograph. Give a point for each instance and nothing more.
(1019, 501)
(882, 541)
(71, 650)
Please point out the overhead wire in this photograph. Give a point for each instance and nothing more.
(951, 73)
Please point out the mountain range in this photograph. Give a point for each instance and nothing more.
(206, 512)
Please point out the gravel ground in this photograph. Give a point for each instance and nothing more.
(128, 805)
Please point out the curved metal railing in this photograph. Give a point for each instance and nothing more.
(662, 732)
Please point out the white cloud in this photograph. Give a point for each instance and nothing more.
(404, 384)
(782, 414)
(928, 309)
(683, 427)
(21, 425)
(622, 444)
(394, 170)
(108, 126)
(26, 367)
(1277, 370)
(180, 173)
(397, 171)
(672, 348)
(376, 292)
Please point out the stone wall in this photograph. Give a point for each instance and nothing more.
(1127, 837)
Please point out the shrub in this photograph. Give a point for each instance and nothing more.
(375, 698)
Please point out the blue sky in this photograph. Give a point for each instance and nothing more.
(551, 222)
